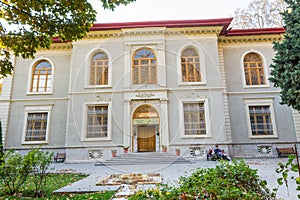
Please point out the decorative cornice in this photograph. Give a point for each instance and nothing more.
(194, 30)
(154, 31)
(61, 46)
(104, 34)
(223, 40)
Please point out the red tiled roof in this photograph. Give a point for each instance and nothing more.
(225, 22)
(169, 23)
(261, 31)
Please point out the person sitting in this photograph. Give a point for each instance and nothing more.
(225, 155)
(218, 151)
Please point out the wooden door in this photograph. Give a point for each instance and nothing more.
(146, 138)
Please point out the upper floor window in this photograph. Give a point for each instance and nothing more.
(41, 77)
(144, 67)
(99, 69)
(190, 66)
(254, 69)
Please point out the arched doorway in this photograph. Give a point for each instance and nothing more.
(145, 126)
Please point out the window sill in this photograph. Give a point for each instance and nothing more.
(192, 83)
(264, 137)
(34, 142)
(256, 86)
(98, 86)
(194, 136)
(95, 139)
(39, 93)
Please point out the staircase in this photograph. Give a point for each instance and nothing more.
(144, 159)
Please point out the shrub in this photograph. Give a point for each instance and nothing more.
(227, 181)
(15, 169)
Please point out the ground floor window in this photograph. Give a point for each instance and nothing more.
(194, 118)
(36, 126)
(261, 118)
(97, 121)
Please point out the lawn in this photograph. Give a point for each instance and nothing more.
(54, 182)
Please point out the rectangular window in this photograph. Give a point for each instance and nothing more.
(260, 119)
(97, 121)
(194, 118)
(36, 126)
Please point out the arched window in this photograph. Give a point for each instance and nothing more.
(144, 67)
(254, 69)
(99, 69)
(41, 77)
(190, 66)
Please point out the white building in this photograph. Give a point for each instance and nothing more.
(186, 84)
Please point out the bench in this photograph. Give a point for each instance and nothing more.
(60, 157)
(285, 151)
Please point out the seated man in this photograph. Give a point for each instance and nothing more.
(218, 151)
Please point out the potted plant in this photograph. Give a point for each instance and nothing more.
(125, 149)
(164, 148)
(114, 153)
(177, 151)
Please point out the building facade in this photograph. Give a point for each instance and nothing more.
(186, 84)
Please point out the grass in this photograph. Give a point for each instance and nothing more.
(54, 182)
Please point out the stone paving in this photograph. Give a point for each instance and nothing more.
(169, 172)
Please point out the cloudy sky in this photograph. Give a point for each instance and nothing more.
(153, 10)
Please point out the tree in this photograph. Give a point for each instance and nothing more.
(286, 63)
(29, 25)
(259, 14)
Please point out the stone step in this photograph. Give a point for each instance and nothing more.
(144, 159)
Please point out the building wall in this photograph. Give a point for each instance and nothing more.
(222, 90)
(23, 100)
(238, 95)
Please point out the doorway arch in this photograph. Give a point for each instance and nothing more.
(145, 129)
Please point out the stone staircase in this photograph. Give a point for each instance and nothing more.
(144, 159)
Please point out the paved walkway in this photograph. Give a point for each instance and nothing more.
(170, 173)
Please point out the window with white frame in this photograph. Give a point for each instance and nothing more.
(36, 127)
(36, 124)
(99, 69)
(194, 118)
(254, 71)
(41, 78)
(261, 118)
(97, 121)
(190, 65)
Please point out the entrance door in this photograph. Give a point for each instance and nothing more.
(146, 138)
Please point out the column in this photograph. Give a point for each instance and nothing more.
(127, 125)
(164, 122)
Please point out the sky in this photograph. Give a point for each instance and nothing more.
(155, 10)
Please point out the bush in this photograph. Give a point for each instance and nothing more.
(15, 169)
(226, 181)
